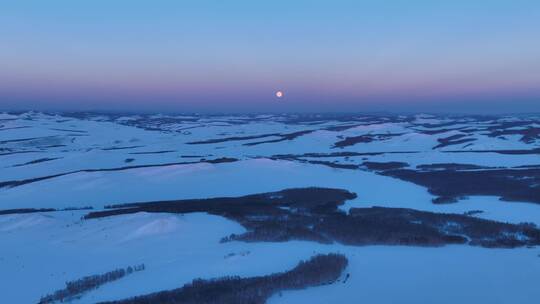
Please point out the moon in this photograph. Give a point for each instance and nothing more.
(279, 94)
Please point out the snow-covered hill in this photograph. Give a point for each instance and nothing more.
(72, 162)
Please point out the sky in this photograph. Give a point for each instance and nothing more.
(232, 56)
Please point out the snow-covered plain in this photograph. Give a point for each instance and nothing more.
(90, 160)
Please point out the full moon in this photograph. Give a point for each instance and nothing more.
(279, 94)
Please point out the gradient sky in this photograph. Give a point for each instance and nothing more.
(460, 56)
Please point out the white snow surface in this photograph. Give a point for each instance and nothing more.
(39, 252)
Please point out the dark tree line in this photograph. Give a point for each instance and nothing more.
(366, 138)
(17, 183)
(75, 289)
(312, 214)
(452, 183)
(319, 270)
(25, 210)
(41, 210)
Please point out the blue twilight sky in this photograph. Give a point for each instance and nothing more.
(459, 56)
